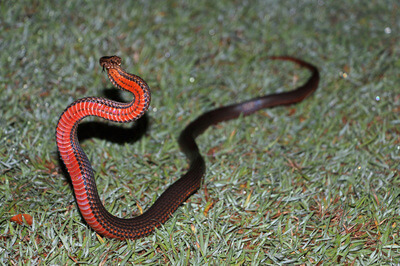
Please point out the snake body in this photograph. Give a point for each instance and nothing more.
(82, 174)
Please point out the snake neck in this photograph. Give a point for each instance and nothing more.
(133, 84)
(66, 132)
(75, 159)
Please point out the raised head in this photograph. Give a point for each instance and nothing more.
(108, 62)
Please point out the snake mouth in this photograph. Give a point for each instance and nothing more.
(108, 62)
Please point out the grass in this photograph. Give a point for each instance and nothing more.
(314, 183)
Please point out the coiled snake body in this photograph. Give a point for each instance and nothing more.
(81, 172)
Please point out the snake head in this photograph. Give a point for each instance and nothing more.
(108, 62)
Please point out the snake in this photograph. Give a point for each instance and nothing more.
(82, 174)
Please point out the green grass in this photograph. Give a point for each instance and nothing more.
(314, 183)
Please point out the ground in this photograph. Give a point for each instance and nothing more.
(313, 183)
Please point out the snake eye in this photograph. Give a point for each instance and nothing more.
(116, 60)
